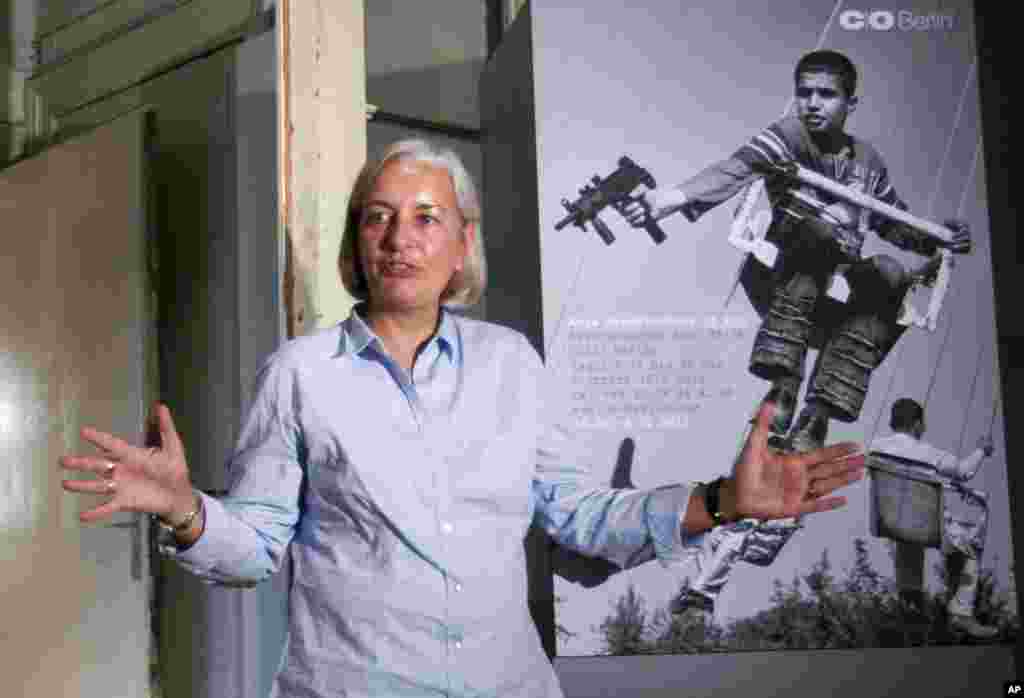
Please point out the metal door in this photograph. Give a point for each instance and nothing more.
(76, 347)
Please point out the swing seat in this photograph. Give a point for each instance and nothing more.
(906, 500)
(749, 233)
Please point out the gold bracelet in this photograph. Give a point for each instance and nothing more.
(189, 519)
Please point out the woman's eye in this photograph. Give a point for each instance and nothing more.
(374, 217)
(427, 219)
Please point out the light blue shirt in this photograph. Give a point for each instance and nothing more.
(405, 499)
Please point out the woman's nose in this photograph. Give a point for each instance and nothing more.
(400, 233)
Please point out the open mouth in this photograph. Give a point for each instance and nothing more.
(397, 268)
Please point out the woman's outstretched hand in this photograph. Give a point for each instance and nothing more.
(153, 479)
(771, 484)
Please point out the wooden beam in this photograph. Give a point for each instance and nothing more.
(322, 137)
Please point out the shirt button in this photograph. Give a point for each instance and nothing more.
(458, 644)
(447, 527)
(458, 587)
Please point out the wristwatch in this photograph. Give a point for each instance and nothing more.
(187, 521)
(712, 502)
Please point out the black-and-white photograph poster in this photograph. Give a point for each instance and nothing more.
(742, 199)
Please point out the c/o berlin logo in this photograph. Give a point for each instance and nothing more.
(887, 20)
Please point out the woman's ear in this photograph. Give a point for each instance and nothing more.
(468, 241)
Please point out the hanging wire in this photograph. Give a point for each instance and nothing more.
(970, 401)
(949, 325)
(956, 121)
(930, 212)
(946, 336)
(997, 386)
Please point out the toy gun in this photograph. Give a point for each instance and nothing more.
(614, 190)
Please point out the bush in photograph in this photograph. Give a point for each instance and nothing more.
(816, 610)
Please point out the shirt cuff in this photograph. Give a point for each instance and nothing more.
(210, 549)
(666, 511)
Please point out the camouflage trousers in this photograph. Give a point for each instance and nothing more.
(854, 340)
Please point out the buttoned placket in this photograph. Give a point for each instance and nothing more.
(433, 408)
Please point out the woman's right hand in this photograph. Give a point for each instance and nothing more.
(153, 480)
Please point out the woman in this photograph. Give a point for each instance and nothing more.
(403, 453)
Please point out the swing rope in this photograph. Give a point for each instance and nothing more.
(970, 401)
(945, 339)
(949, 325)
(996, 393)
(956, 121)
(968, 80)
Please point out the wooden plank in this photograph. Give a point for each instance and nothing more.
(322, 128)
(109, 18)
(137, 55)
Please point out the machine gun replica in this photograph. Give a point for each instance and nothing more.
(615, 190)
(749, 230)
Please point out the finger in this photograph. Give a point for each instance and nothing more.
(169, 439)
(103, 511)
(825, 471)
(87, 464)
(819, 505)
(115, 448)
(825, 486)
(90, 486)
(110, 444)
(844, 450)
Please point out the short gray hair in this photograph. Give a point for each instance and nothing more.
(467, 285)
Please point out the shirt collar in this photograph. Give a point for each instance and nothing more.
(447, 336)
(356, 334)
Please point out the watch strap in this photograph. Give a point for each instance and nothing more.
(712, 501)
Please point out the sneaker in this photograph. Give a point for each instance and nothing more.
(810, 432)
(969, 625)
